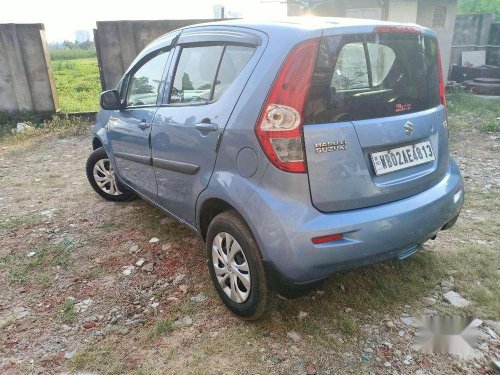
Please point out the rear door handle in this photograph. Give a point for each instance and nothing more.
(143, 125)
(206, 127)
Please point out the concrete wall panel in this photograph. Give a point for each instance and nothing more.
(26, 80)
(476, 32)
(8, 99)
(119, 42)
(426, 9)
(473, 29)
(403, 11)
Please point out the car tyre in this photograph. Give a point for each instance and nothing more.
(103, 180)
(236, 267)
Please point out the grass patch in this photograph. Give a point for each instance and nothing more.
(101, 357)
(110, 356)
(150, 219)
(165, 326)
(357, 297)
(347, 324)
(77, 83)
(162, 328)
(68, 314)
(142, 371)
(97, 272)
(8, 121)
(22, 269)
(477, 276)
(108, 225)
(467, 110)
(44, 281)
(18, 275)
(484, 200)
(51, 255)
(368, 294)
(388, 285)
(187, 307)
(57, 126)
(26, 220)
(237, 343)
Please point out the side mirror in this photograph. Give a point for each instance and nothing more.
(111, 100)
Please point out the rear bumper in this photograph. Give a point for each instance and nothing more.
(371, 234)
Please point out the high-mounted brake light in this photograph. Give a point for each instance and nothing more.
(279, 128)
(397, 29)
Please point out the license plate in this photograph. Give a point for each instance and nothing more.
(404, 157)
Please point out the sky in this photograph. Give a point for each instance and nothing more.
(63, 18)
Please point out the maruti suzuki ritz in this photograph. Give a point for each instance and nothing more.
(295, 149)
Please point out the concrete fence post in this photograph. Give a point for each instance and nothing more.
(119, 42)
(26, 79)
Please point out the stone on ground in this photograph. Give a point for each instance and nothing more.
(455, 299)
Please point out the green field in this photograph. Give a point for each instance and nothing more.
(72, 54)
(77, 83)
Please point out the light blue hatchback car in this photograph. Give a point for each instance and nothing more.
(295, 149)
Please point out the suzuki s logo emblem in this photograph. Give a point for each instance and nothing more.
(408, 128)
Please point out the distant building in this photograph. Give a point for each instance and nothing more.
(82, 36)
(218, 11)
(221, 11)
(438, 15)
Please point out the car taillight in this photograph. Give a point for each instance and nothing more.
(442, 94)
(442, 89)
(279, 128)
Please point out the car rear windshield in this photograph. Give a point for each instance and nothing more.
(367, 76)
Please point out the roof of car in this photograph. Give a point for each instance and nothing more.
(305, 23)
(295, 23)
(302, 22)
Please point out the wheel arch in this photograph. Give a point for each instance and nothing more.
(210, 208)
(229, 191)
(101, 139)
(96, 143)
(213, 206)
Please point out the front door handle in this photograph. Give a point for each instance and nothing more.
(206, 127)
(143, 125)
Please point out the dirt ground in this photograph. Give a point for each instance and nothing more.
(72, 298)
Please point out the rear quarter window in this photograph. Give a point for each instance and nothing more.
(373, 75)
(233, 61)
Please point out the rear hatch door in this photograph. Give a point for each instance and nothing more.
(374, 126)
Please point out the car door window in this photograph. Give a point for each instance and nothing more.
(144, 84)
(200, 67)
(195, 74)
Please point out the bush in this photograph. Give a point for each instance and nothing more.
(8, 121)
(41, 125)
(72, 54)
